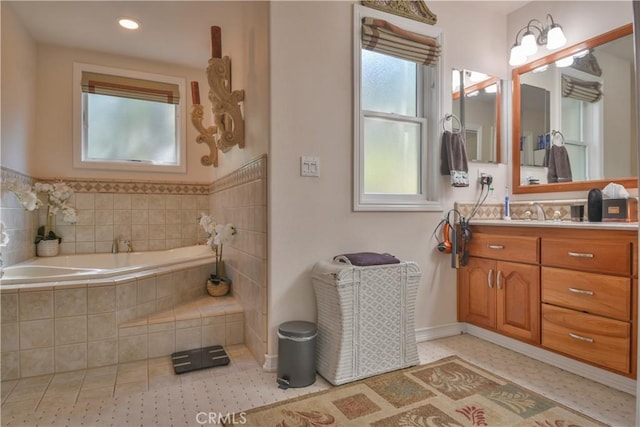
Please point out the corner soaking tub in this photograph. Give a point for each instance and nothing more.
(97, 267)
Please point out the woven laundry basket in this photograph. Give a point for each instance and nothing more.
(366, 322)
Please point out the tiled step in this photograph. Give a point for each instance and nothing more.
(203, 322)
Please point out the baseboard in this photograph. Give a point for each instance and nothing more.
(610, 379)
(435, 332)
(270, 363)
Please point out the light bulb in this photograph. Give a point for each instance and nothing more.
(128, 23)
(555, 37)
(517, 56)
(564, 62)
(529, 44)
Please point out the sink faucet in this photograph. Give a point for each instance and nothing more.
(127, 243)
(539, 211)
(115, 247)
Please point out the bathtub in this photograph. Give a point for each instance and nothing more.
(94, 267)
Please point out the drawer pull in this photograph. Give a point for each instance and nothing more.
(580, 255)
(490, 278)
(581, 291)
(498, 277)
(580, 338)
(495, 246)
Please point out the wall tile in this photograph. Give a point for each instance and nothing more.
(101, 326)
(146, 289)
(70, 357)
(10, 365)
(104, 233)
(188, 338)
(10, 336)
(126, 295)
(132, 348)
(157, 201)
(101, 299)
(122, 201)
(162, 343)
(102, 353)
(104, 201)
(36, 334)
(36, 362)
(9, 307)
(85, 233)
(70, 302)
(70, 330)
(140, 202)
(36, 305)
(122, 217)
(104, 217)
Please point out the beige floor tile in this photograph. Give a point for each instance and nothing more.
(125, 389)
(95, 393)
(160, 382)
(101, 371)
(96, 382)
(7, 387)
(12, 409)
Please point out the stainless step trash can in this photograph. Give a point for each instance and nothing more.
(297, 354)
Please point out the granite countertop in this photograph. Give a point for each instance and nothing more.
(557, 224)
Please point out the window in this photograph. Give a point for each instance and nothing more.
(128, 120)
(396, 103)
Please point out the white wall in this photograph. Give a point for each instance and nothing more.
(18, 91)
(311, 219)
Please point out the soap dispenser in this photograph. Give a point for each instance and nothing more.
(594, 205)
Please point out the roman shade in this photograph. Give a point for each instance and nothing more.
(380, 36)
(126, 87)
(582, 90)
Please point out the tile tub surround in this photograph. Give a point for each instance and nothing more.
(47, 329)
(153, 215)
(241, 199)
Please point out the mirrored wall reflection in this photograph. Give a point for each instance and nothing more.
(477, 106)
(587, 95)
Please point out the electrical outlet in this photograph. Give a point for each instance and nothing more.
(484, 178)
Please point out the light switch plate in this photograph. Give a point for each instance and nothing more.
(309, 166)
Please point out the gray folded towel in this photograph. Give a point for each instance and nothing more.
(453, 159)
(559, 165)
(361, 259)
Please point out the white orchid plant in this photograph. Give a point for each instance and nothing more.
(56, 199)
(218, 235)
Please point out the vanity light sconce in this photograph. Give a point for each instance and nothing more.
(536, 34)
(228, 114)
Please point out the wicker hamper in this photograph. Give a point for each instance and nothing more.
(366, 320)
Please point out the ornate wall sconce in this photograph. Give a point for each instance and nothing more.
(228, 117)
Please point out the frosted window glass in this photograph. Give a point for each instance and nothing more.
(391, 157)
(388, 84)
(572, 119)
(124, 129)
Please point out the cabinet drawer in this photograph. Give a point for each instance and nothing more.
(590, 255)
(608, 296)
(595, 339)
(503, 247)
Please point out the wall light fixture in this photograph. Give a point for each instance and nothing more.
(536, 34)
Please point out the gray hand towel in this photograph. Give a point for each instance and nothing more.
(453, 157)
(559, 165)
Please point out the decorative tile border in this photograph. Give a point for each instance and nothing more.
(252, 171)
(519, 209)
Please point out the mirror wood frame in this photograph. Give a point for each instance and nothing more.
(498, 123)
(517, 187)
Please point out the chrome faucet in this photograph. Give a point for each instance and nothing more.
(115, 247)
(539, 211)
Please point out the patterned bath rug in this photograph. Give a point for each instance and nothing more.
(449, 392)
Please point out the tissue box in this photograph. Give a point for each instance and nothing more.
(620, 210)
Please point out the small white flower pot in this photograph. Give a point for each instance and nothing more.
(48, 247)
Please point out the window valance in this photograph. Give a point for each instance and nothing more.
(381, 36)
(126, 87)
(582, 90)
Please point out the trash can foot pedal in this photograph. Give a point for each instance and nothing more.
(199, 358)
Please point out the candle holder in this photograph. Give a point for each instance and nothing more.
(228, 115)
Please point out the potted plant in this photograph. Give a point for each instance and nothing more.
(56, 198)
(218, 234)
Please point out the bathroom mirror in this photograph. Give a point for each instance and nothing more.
(478, 108)
(586, 93)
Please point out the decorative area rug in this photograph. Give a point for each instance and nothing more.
(449, 392)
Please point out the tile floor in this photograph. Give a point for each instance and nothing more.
(149, 394)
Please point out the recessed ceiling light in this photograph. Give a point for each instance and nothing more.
(128, 23)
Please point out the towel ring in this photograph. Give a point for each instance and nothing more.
(557, 132)
(451, 117)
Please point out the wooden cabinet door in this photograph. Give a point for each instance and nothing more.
(518, 300)
(477, 293)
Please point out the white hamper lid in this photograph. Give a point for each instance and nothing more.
(298, 329)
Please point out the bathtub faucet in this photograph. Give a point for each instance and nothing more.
(115, 248)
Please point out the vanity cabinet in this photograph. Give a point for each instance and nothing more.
(572, 291)
(499, 288)
(587, 293)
